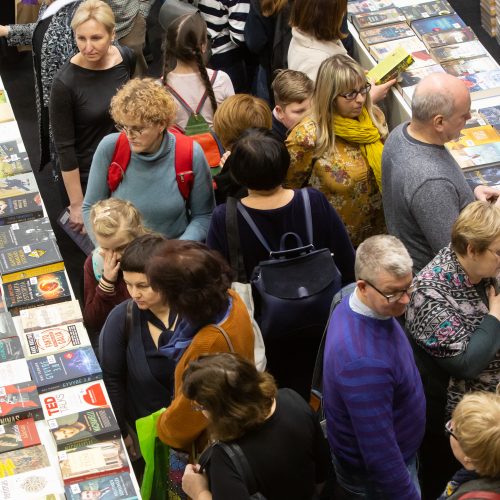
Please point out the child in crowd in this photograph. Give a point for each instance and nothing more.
(474, 432)
(115, 223)
(292, 94)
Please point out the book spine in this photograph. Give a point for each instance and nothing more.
(35, 413)
(14, 218)
(34, 271)
(16, 310)
(94, 475)
(64, 384)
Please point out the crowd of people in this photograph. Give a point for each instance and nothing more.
(308, 166)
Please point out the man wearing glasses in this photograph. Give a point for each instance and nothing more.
(373, 395)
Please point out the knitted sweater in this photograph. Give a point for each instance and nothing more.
(179, 426)
(374, 401)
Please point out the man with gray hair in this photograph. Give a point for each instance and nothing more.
(423, 189)
(373, 396)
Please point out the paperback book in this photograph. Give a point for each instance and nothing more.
(61, 370)
(472, 157)
(487, 176)
(387, 33)
(10, 348)
(475, 120)
(75, 399)
(483, 84)
(36, 291)
(411, 77)
(426, 10)
(17, 435)
(378, 18)
(38, 484)
(19, 184)
(82, 240)
(84, 428)
(13, 158)
(463, 67)
(19, 401)
(7, 327)
(23, 207)
(52, 315)
(410, 44)
(491, 115)
(95, 460)
(23, 460)
(114, 486)
(437, 24)
(475, 136)
(14, 372)
(26, 233)
(366, 6)
(433, 40)
(397, 61)
(458, 51)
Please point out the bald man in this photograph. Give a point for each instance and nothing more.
(423, 189)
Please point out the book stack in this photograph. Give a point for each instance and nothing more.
(488, 17)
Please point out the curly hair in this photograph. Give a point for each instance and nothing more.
(193, 279)
(235, 394)
(143, 101)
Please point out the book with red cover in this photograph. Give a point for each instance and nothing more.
(20, 434)
(19, 401)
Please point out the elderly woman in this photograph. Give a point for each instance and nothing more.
(338, 149)
(143, 110)
(275, 430)
(80, 98)
(454, 316)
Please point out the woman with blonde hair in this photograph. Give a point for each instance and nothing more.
(80, 98)
(153, 178)
(115, 223)
(338, 148)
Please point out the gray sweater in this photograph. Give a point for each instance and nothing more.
(423, 191)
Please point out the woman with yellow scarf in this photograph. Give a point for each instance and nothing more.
(338, 148)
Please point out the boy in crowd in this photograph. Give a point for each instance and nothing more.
(292, 94)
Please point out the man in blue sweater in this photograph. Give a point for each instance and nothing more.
(374, 400)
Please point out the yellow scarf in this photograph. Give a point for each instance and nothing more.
(363, 132)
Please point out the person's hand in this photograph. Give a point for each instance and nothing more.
(378, 92)
(111, 265)
(129, 444)
(487, 193)
(4, 30)
(194, 482)
(494, 302)
(76, 217)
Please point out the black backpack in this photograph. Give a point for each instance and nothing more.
(293, 290)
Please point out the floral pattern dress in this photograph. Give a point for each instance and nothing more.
(444, 312)
(344, 177)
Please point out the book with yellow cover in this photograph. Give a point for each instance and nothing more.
(475, 136)
(397, 61)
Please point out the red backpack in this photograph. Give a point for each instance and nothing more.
(183, 163)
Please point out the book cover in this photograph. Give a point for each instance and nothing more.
(6, 113)
(52, 315)
(458, 51)
(471, 157)
(38, 290)
(75, 399)
(14, 372)
(10, 348)
(426, 10)
(482, 84)
(474, 137)
(437, 24)
(19, 401)
(61, 370)
(91, 461)
(26, 233)
(38, 484)
(451, 37)
(7, 327)
(17, 435)
(54, 339)
(114, 486)
(365, 6)
(462, 67)
(87, 427)
(475, 120)
(491, 115)
(412, 76)
(23, 460)
(13, 158)
(487, 176)
(82, 240)
(410, 44)
(378, 18)
(390, 67)
(16, 185)
(387, 33)
(23, 207)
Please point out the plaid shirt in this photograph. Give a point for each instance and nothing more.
(125, 12)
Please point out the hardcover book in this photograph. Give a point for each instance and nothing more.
(114, 486)
(38, 484)
(61, 370)
(23, 207)
(26, 233)
(458, 51)
(19, 401)
(378, 18)
(491, 115)
(483, 84)
(36, 291)
(474, 137)
(462, 67)
(19, 184)
(95, 460)
(84, 428)
(10, 348)
(470, 158)
(488, 176)
(82, 240)
(7, 327)
(23, 460)
(365, 6)
(437, 24)
(410, 44)
(385, 33)
(23, 261)
(426, 10)
(75, 399)
(13, 158)
(17, 435)
(390, 67)
(433, 40)
(14, 372)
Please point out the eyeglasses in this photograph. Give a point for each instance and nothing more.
(196, 407)
(394, 297)
(448, 429)
(350, 96)
(496, 253)
(130, 130)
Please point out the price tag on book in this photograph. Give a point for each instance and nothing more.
(2, 429)
(75, 488)
(26, 249)
(62, 455)
(51, 359)
(52, 423)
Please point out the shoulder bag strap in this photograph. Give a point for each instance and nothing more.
(307, 213)
(183, 161)
(119, 162)
(205, 94)
(253, 226)
(233, 240)
(226, 336)
(129, 319)
(182, 102)
(129, 58)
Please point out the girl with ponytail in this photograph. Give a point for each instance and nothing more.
(185, 74)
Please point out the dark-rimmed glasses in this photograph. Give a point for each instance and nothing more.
(448, 429)
(393, 297)
(350, 96)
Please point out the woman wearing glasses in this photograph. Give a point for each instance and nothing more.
(143, 110)
(338, 148)
(454, 318)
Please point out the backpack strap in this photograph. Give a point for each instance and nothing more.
(205, 94)
(119, 162)
(307, 213)
(128, 319)
(242, 210)
(233, 240)
(183, 163)
(182, 102)
(129, 58)
(225, 335)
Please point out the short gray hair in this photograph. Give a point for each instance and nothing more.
(382, 253)
(426, 104)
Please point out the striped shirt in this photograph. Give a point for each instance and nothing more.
(226, 22)
(374, 400)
